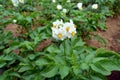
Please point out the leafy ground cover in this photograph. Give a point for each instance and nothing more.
(47, 39)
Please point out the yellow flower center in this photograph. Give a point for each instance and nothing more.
(73, 33)
(59, 35)
(67, 29)
(54, 26)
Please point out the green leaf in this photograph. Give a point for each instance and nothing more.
(27, 44)
(98, 59)
(3, 76)
(84, 66)
(53, 49)
(31, 56)
(52, 72)
(76, 42)
(110, 65)
(76, 70)
(29, 19)
(89, 57)
(29, 77)
(50, 49)
(24, 68)
(2, 47)
(64, 71)
(41, 62)
(40, 77)
(106, 53)
(99, 69)
(8, 58)
(39, 29)
(8, 50)
(14, 74)
(59, 60)
(96, 78)
(2, 64)
(29, 47)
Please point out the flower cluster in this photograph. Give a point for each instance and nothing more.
(61, 30)
(16, 2)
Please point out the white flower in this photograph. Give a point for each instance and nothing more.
(15, 2)
(14, 21)
(70, 29)
(94, 6)
(64, 10)
(59, 34)
(72, 32)
(53, 1)
(79, 5)
(21, 1)
(57, 30)
(59, 7)
(61, 31)
(68, 0)
(57, 24)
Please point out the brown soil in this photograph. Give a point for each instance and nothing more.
(14, 29)
(111, 35)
